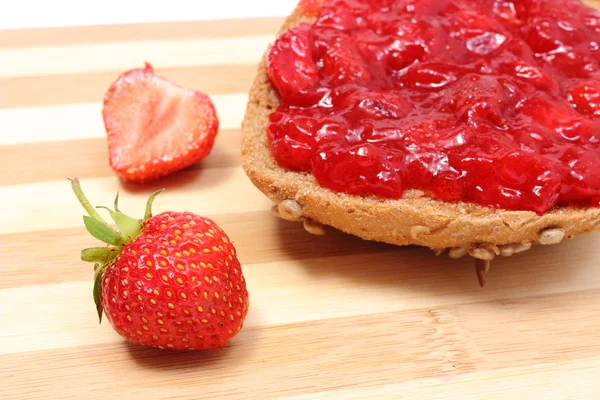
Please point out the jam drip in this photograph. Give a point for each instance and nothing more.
(493, 102)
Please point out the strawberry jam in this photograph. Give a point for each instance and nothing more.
(493, 102)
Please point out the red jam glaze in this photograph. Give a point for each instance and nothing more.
(494, 102)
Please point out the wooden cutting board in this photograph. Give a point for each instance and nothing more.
(330, 317)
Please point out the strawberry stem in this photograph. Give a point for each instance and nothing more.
(148, 213)
(85, 202)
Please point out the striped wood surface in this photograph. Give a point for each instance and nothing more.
(331, 317)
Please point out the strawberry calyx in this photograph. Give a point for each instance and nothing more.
(128, 229)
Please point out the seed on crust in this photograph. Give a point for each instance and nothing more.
(458, 252)
(514, 248)
(552, 236)
(438, 252)
(275, 212)
(418, 230)
(482, 268)
(290, 210)
(492, 247)
(314, 227)
(482, 253)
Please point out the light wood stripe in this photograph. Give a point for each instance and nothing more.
(52, 90)
(206, 192)
(303, 302)
(89, 157)
(84, 120)
(442, 342)
(64, 36)
(551, 381)
(258, 237)
(35, 61)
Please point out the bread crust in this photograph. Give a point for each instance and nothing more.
(415, 219)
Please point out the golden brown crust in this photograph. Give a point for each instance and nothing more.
(414, 219)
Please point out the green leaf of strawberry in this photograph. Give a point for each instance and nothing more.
(98, 272)
(102, 232)
(129, 227)
(102, 255)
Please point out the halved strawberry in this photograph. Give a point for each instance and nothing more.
(155, 127)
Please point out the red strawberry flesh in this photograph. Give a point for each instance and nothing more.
(155, 127)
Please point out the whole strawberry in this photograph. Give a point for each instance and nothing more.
(169, 281)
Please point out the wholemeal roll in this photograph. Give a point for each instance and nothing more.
(415, 219)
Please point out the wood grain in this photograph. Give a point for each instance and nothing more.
(91, 157)
(61, 36)
(331, 317)
(49, 90)
(84, 120)
(26, 61)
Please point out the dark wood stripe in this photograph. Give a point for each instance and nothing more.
(88, 158)
(51, 90)
(261, 238)
(258, 237)
(60, 36)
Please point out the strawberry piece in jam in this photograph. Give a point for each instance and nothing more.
(360, 169)
(338, 58)
(493, 102)
(585, 97)
(290, 66)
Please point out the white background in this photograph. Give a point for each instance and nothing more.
(51, 13)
